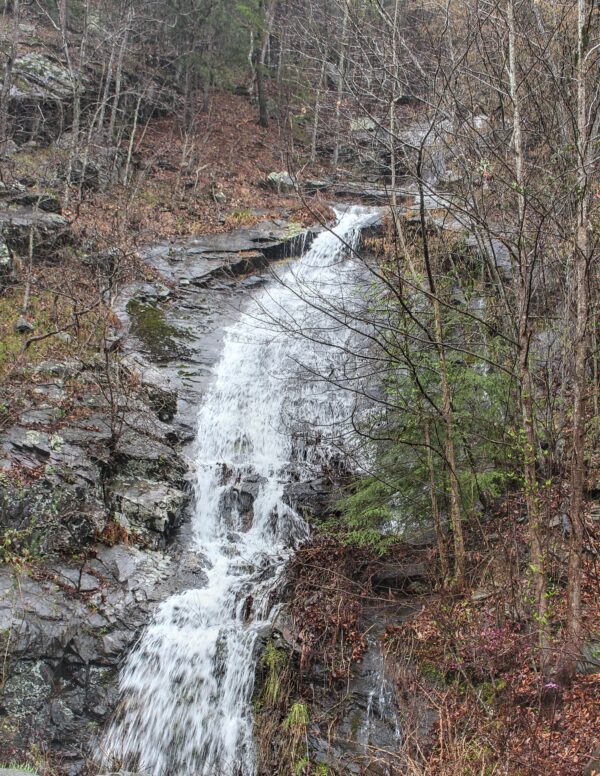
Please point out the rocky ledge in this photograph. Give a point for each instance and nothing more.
(94, 491)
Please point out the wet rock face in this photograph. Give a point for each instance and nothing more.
(64, 634)
(204, 260)
(355, 727)
(70, 606)
(149, 504)
(310, 498)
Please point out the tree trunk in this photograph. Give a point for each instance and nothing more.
(118, 77)
(581, 268)
(536, 559)
(12, 54)
(340, 89)
(263, 110)
(435, 511)
(315, 126)
(448, 415)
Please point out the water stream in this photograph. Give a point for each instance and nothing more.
(267, 420)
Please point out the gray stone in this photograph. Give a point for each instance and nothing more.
(281, 182)
(398, 576)
(6, 262)
(79, 579)
(593, 766)
(590, 657)
(312, 186)
(82, 172)
(50, 231)
(67, 369)
(152, 292)
(481, 594)
(43, 415)
(150, 504)
(449, 180)
(23, 326)
(363, 124)
(39, 77)
(121, 562)
(158, 385)
(105, 260)
(253, 281)
(8, 147)
(41, 200)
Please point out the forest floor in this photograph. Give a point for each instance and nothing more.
(211, 179)
(468, 660)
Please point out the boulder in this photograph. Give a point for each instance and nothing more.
(8, 148)
(590, 658)
(308, 497)
(363, 124)
(81, 172)
(40, 200)
(6, 263)
(23, 326)
(50, 231)
(281, 182)
(449, 180)
(41, 86)
(398, 577)
(103, 261)
(36, 75)
(151, 292)
(593, 766)
(312, 186)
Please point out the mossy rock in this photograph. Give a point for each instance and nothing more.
(160, 338)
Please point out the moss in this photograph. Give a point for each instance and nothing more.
(41, 310)
(293, 229)
(239, 218)
(355, 722)
(433, 672)
(149, 325)
(16, 766)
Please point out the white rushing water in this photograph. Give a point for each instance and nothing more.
(267, 420)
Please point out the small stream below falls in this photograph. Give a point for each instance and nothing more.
(266, 421)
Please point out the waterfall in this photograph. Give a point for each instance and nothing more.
(267, 420)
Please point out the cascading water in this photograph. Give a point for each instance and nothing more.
(267, 420)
